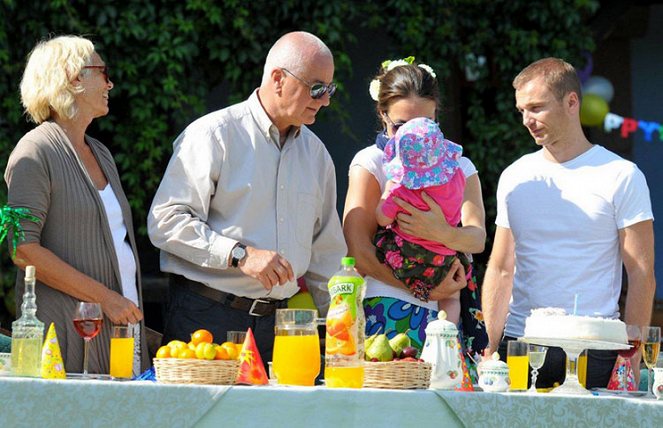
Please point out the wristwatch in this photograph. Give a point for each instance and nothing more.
(238, 253)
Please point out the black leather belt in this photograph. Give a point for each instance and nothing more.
(255, 307)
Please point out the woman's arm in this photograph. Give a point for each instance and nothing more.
(432, 225)
(54, 272)
(360, 225)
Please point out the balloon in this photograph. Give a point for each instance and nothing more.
(301, 300)
(600, 86)
(587, 71)
(593, 110)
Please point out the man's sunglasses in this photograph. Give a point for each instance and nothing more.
(317, 90)
(105, 70)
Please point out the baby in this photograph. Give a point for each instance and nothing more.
(418, 159)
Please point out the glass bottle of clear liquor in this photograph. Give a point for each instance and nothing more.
(27, 332)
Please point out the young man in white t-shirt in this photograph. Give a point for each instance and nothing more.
(568, 215)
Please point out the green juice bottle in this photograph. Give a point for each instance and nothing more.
(344, 342)
(27, 333)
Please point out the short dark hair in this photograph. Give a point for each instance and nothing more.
(404, 81)
(560, 77)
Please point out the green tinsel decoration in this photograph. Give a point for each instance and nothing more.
(9, 217)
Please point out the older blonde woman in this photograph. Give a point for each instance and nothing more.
(83, 247)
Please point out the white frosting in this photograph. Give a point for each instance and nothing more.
(555, 323)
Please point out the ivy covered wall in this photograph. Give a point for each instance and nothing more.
(174, 60)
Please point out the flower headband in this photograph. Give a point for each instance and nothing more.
(374, 87)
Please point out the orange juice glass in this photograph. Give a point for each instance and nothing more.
(122, 352)
(296, 358)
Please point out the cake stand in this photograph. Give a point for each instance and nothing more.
(573, 348)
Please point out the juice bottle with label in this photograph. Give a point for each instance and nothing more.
(344, 342)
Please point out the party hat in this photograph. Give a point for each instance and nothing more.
(251, 368)
(466, 384)
(52, 366)
(622, 364)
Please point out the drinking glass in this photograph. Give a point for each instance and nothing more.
(122, 351)
(651, 346)
(296, 359)
(236, 337)
(537, 356)
(517, 360)
(634, 335)
(87, 321)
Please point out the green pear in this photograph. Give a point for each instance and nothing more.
(400, 341)
(369, 341)
(380, 349)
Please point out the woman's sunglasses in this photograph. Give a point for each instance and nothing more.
(317, 90)
(394, 126)
(105, 70)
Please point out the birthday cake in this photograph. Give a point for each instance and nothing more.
(554, 323)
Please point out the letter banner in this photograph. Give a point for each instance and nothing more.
(627, 126)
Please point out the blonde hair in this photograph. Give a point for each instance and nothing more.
(46, 85)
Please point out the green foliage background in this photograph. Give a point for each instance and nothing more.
(167, 55)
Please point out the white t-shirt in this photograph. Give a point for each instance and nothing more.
(125, 257)
(370, 159)
(565, 220)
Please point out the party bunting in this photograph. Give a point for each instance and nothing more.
(627, 126)
(52, 366)
(251, 369)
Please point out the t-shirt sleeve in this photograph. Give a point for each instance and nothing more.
(467, 167)
(370, 159)
(502, 218)
(632, 201)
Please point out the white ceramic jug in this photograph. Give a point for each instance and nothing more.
(441, 350)
(657, 388)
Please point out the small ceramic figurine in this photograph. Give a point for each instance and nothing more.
(657, 388)
(440, 349)
(494, 375)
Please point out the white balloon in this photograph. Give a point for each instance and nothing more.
(599, 86)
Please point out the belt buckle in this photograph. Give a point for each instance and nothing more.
(253, 306)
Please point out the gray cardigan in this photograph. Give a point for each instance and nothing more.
(46, 175)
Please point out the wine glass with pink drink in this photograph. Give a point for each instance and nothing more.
(87, 321)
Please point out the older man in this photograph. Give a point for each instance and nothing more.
(568, 215)
(248, 203)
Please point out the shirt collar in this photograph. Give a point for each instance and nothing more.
(265, 125)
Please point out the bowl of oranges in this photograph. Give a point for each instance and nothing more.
(200, 361)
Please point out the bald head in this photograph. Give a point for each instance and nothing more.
(295, 51)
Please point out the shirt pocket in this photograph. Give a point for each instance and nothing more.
(306, 218)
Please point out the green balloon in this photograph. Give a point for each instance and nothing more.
(301, 300)
(593, 110)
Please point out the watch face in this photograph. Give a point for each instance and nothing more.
(239, 253)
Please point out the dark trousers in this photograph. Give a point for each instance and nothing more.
(599, 367)
(189, 311)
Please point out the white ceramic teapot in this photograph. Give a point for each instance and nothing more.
(441, 350)
(494, 375)
(657, 388)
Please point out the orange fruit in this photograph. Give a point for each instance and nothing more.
(200, 336)
(164, 352)
(221, 353)
(239, 347)
(231, 350)
(191, 346)
(187, 353)
(176, 348)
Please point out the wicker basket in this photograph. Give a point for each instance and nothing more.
(192, 371)
(397, 375)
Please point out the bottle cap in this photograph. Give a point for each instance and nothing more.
(348, 261)
(30, 272)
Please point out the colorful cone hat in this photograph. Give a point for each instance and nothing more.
(466, 384)
(251, 368)
(622, 364)
(52, 366)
